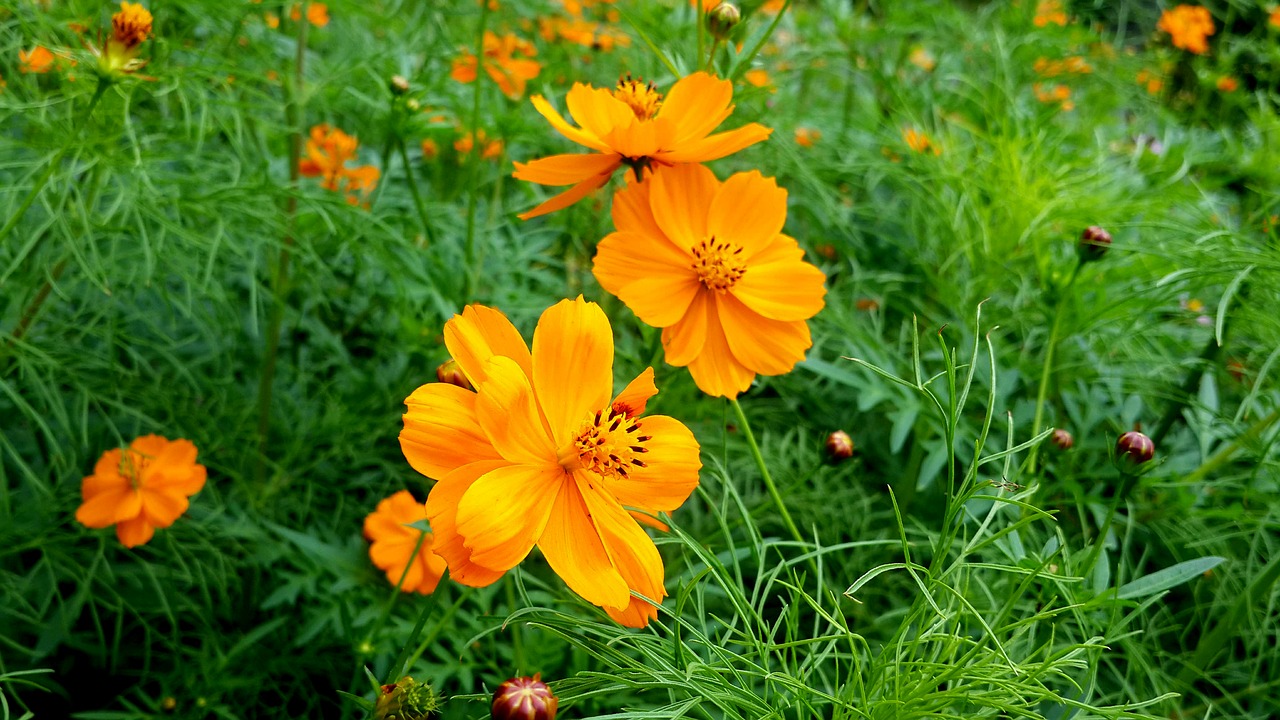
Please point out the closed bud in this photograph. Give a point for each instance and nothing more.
(1062, 439)
(722, 19)
(1135, 447)
(398, 85)
(407, 699)
(450, 372)
(839, 446)
(524, 698)
(1094, 242)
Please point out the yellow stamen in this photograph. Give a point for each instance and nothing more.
(718, 264)
(608, 444)
(644, 100)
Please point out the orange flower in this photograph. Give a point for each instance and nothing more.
(1060, 94)
(919, 141)
(635, 125)
(1228, 84)
(510, 72)
(806, 137)
(773, 6)
(1152, 81)
(923, 59)
(1189, 27)
(273, 20)
(328, 151)
(1274, 19)
(39, 60)
(757, 77)
(430, 150)
(1074, 65)
(586, 33)
(490, 149)
(1050, 11)
(540, 455)
(141, 488)
(129, 28)
(317, 14)
(707, 262)
(392, 544)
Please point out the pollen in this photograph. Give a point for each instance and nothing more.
(609, 444)
(644, 100)
(719, 264)
(132, 463)
(131, 25)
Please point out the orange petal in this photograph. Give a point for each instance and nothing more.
(109, 464)
(769, 347)
(508, 412)
(641, 139)
(441, 431)
(698, 103)
(110, 507)
(572, 365)
(567, 169)
(631, 211)
(135, 532)
(714, 147)
(442, 511)
(433, 567)
(636, 394)
(568, 197)
(671, 472)
(558, 122)
(479, 333)
(680, 197)
(597, 110)
(782, 291)
(630, 550)
(503, 513)
(162, 508)
(683, 341)
(749, 210)
(150, 446)
(715, 370)
(574, 550)
(653, 277)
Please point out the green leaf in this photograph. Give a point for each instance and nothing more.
(1162, 580)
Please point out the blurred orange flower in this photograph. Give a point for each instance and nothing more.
(430, 150)
(317, 13)
(1050, 11)
(634, 124)
(707, 262)
(806, 137)
(328, 150)
(540, 455)
(141, 488)
(1189, 27)
(392, 544)
(38, 60)
(919, 142)
(129, 28)
(1073, 65)
(586, 33)
(1228, 84)
(502, 63)
(757, 77)
(1153, 82)
(923, 59)
(489, 149)
(1060, 94)
(1274, 19)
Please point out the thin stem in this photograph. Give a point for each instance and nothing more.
(1046, 370)
(764, 472)
(29, 313)
(1101, 540)
(469, 248)
(413, 189)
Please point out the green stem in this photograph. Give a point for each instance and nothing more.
(1096, 550)
(1046, 370)
(1229, 450)
(471, 277)
(439, 627)
(764, 472)
(413, 189)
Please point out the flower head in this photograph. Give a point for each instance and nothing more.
(507, 59)
(489, 149)
(919, 142)
(140, 488)
(1050, 12)
(524, 698)
(634, 124)
(544, 454)
(393, 544)
(1189, 27)
(707, 262)
(807, 137)
(328, 150)
(317, 13)
(37, 60)
(129, 28)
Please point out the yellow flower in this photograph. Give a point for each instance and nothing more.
(634, 124)
(317, 13)
(708, 263)
(540, 455)
(1189, 27)
(392, 544)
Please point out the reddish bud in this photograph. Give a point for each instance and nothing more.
(839, 446)
(524, 698)
(1094, 242)
(1136, 447)
(1062, 439)
(450, 372)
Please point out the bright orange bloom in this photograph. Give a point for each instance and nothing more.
(1274, 19)
(141, 488)
(273, 20)
(635, 125)
(757, 77)
(502, 63)
(806, 137)
(129, 28)
(489, 149)
(586, 33)
(1189, 27)
(392, 544)
(575, 7)
(919, 141)
(39, 60)
(540, 455)
(1050, 11)
(707, 262)
(328, 151)
(317, 13)
(1228, 84)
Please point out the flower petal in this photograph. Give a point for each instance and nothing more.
(574, 550)
(479, 333)
(680, 197)
(698, 103)
(768, 347)
(631, 211)
(162, 508)
(504, 512)
(582, 137)
(135, 532)
(749, 211)
(630, 550)
(568, 197)
(109, 507)
(714, 147)
(782, 291)
(442, 511)
(567, 169)
(715, 370)
(441, 430)
(671, 467)
(636, 394)
(653, 277)
(572, 365)
(597, 110)
(508, 412)
(683, 341)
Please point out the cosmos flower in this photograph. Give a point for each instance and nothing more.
(1189, 27)
(507, 60)
(328, 151)
(141, 488)
(392, 544)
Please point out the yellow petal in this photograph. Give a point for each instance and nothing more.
(782, 291)
(574, 550)
(441, 430)
(631, 211)
(442, 511)
(630, 550)
(769, 347)
(680, 198)
(503, 513)
(749, 211)
(479, 333)
(508, 412)
(572, 365)
(715, 370)
(683, 341)
(568, 197)
(714, 147)
(698, 103)
(597, 110)
(558, 122)
(671, 467)
(567, 169)
(636, 394)
(653, 277)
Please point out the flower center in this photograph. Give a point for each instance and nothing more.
(608, 444)
(132, 464)
(644, 100)
(719, 264)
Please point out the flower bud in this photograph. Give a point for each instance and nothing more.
(839, 446)
(407, 699)
(524, 698)
(722, 19)
(1062, 439)
(1094, 242)
(450, 372)
(398, 85)
(1135, 447)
